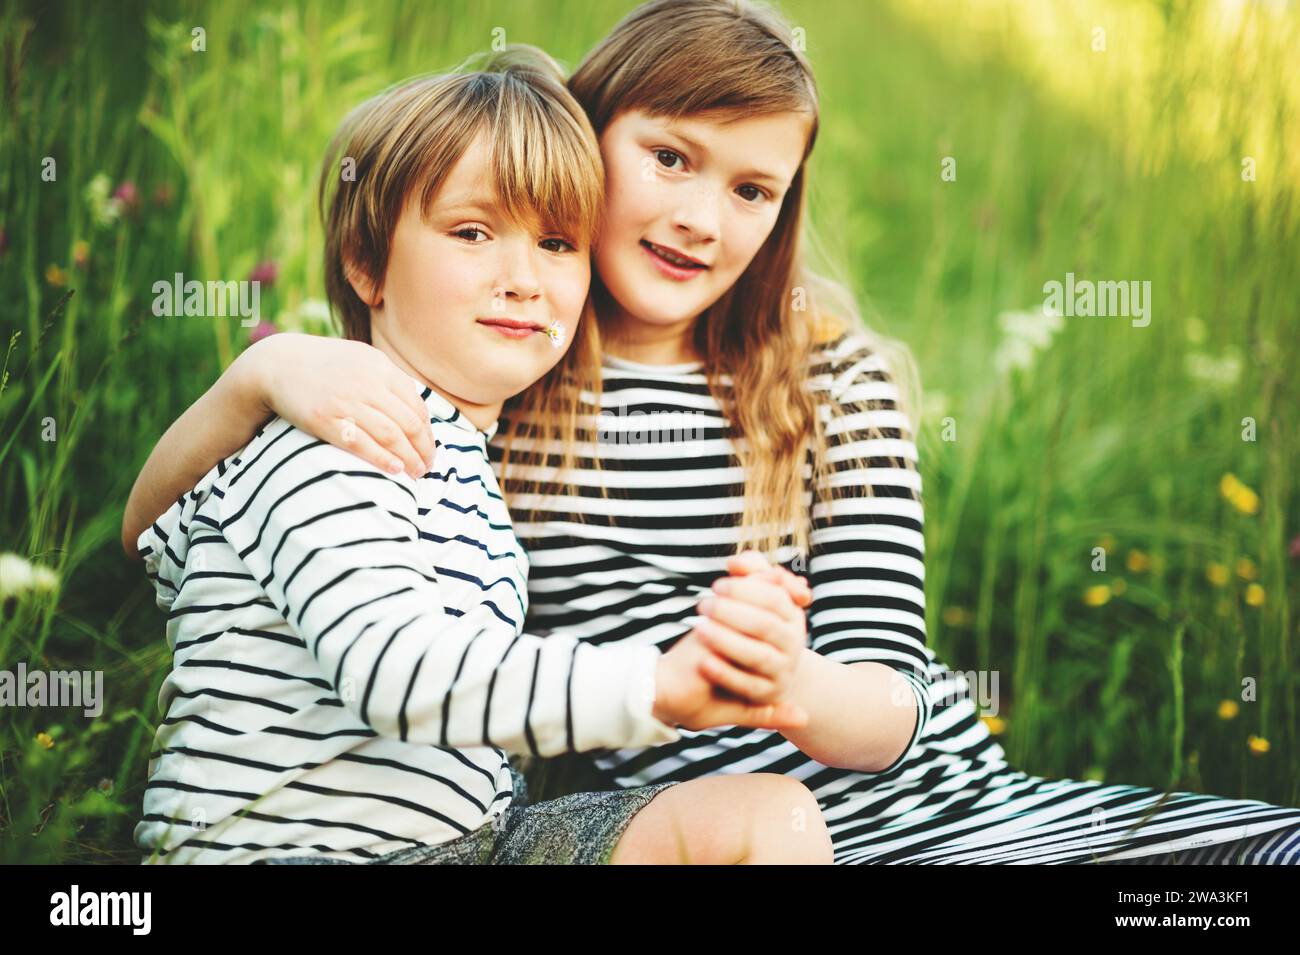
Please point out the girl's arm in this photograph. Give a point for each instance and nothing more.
(864, 681)
(857, 712)
(347, 393)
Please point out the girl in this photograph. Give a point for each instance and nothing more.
(348, 657)
(790, 435)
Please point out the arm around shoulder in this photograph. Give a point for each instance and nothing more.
(221, 422)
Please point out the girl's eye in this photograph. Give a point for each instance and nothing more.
(757, 193)
(547, 243)
(666, 163)
(468, 233)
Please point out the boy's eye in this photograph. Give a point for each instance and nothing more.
(667, 163)
(563, 245)
(468, 234)
(757, 193)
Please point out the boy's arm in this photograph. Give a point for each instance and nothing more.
(348, 393)
(335, 545)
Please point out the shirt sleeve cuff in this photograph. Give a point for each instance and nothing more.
(613, 697)
(922, 718)
(152, 547)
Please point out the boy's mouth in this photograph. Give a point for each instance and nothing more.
(671, 262)
(512, 327)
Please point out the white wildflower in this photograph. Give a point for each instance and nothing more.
(105, 209)
(1025, 333)
(1218, 372)
(312, 316)
(18, 575)
(15, 575)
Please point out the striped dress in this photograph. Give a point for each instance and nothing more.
(349, 666)
(630, 568)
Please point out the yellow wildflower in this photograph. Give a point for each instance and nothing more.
(1246, 501)
(1096, 595)
(957, 617)
(1137, 561)
(55, 275)
(1255, 595)
(996, 724)
(45, 739)
(1257, 744)
(1246, 569)
(1216, 573)
(1238, 495)
(1228, 709)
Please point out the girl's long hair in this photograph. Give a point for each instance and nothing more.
(724, 59)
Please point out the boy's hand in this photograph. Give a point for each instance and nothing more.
(685, 697)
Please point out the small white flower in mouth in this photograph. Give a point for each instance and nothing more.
(555, 332)
(673, 257)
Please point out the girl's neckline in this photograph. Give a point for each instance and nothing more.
(625, 364)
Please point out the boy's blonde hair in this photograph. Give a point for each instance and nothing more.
(543, 158)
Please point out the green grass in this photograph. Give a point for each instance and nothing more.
(1065, 164)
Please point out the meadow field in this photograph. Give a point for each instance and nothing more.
(1112, 503)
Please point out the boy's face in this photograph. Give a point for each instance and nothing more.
(460, 278)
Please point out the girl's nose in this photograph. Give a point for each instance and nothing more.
(698, 216)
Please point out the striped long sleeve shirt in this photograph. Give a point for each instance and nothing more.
(349, 664)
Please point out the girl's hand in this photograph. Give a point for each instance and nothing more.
(751, 562)
(756, 627)
(347, 393)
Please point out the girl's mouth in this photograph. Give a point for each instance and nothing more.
(672, 263)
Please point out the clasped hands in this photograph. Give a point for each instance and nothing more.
(739, 662)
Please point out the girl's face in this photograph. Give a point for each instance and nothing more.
(468, 293)
(689, 202)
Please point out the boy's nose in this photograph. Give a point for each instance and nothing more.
(518, 277)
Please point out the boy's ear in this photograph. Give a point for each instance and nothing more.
(367, 290)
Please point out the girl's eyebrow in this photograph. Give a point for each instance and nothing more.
(747, 174)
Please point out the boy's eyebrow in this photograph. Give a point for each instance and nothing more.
(471, 205)
(747, 174)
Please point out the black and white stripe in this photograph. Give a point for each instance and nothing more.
(631, 571)
(349, 667)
